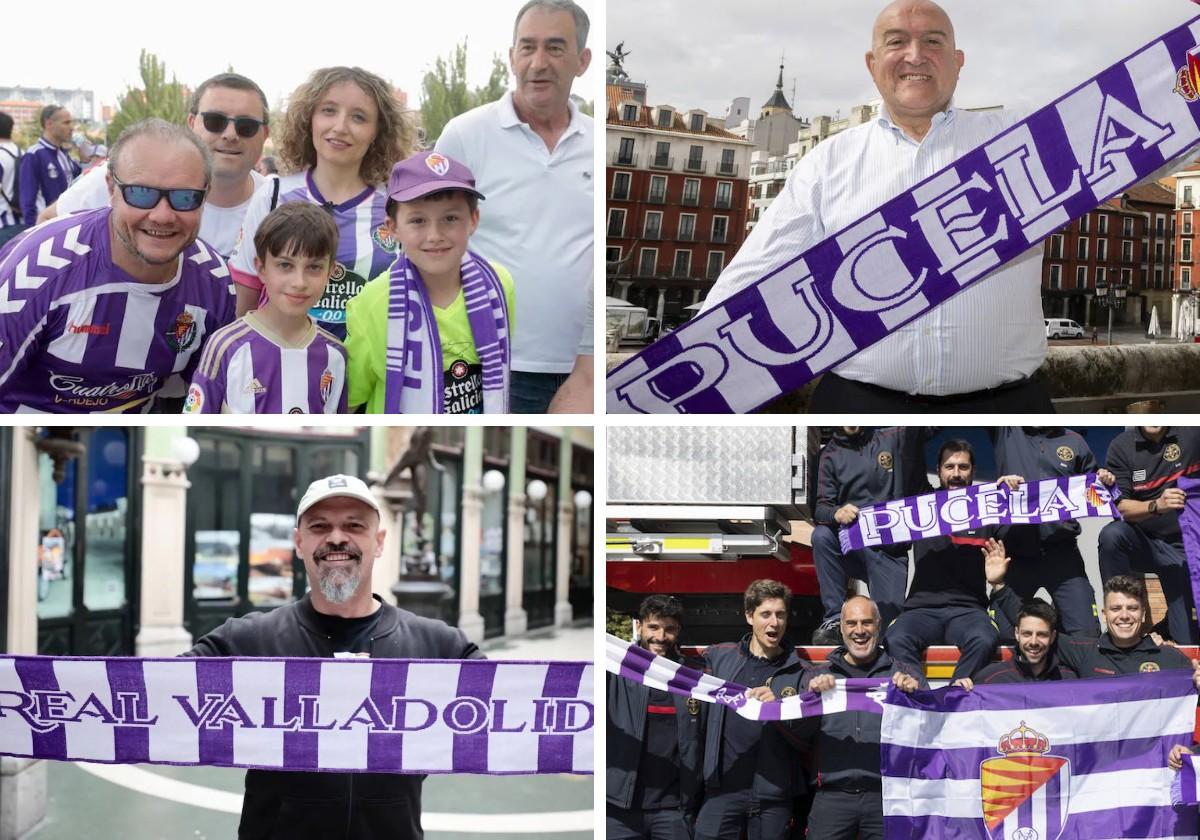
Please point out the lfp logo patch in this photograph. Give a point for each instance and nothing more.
(438, 164)
(1024, 791)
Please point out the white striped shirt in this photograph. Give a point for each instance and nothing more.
(987, 335)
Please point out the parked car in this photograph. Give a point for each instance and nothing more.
(1062, 328)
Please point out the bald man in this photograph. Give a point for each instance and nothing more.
(978, 351)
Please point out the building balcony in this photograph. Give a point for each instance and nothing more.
(691, 200)
(681, 272)
(652, 234)
(685, 236)
(661, 162)
(619, 159)
(695, 165)
(723, 203)
(727, 168)
(656, 197)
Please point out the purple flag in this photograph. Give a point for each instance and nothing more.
(947, 512)
(927, 244)
(1074, 760)
(349, 715)
(1189, 523)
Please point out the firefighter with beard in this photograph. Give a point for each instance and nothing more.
(654, 741)
(948, 599)
(338, 535)
(849, 801)
(1036, 656)
(752, 770)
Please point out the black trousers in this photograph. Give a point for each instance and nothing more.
(835, 395)
(663, 824)
(842, 815)
(1060, 570)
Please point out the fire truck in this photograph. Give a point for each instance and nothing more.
(700, 512)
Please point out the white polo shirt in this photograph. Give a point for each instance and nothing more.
(219, 226)
(537, 221)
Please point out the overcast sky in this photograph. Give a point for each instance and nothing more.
(277, 44)
(1019, 53)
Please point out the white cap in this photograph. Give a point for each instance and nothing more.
(337, 485)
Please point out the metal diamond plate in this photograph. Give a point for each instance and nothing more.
(700, 465)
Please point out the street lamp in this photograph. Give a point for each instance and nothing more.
(1111, 302)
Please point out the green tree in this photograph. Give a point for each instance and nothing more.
(445, 93)
(157, 97)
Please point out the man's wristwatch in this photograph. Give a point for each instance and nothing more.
(1154, 506)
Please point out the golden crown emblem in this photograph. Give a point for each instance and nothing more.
(1024, 741)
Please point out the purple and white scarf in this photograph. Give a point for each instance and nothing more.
(349, 715)
(811, 313)
(415, 380)
(633, 662)
(946, 512)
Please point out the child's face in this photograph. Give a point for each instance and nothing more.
(294, 283)
(434, 233)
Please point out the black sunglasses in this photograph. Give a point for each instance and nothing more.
(215, 122)
(147, 198)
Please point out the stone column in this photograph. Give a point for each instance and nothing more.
(164, 514)
(387, 565)
(22, 780)
(562, 561)
(470, 524)
(515, 620)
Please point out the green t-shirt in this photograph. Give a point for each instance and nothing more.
(366, 345)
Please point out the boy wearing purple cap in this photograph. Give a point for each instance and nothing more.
(432, 335)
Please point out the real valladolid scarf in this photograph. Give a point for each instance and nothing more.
(415, 379)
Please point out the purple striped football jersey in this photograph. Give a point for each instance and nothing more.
(78, 334)
(365, 248)
(246, 369)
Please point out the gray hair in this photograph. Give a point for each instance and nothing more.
(570, 6)
(162, 131)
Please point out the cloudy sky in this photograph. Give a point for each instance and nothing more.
(274, 42)
(1019, 53)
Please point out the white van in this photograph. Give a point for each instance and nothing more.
(1062, 328)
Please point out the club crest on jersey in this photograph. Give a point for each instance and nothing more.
(438, 164)
(1065, 453)
(183, 332)
(52, 170)
(885, 460)
(326, 385)
(195, 400)
(1024, 773)
(1187, 81)
(1148, 667)
(1172, 452)
(384, 239)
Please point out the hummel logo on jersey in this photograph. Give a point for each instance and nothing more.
(89, 329)
(255, 387)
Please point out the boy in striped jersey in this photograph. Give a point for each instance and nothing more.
(275, 359)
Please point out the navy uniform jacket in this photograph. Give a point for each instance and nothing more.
(1099, 657)
(46, 172)
(1144, 469)
(778, 772)
(1034, 454)
(627, 729)
(848, 742)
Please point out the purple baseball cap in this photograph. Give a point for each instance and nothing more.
(429, 172)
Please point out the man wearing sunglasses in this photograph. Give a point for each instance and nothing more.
(106, 310)
(228, 112)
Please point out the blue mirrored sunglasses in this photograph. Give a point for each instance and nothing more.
(147, 198)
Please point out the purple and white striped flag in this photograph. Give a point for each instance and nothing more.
(1184, 789)
(1075, 760)
(633, 662)
(947, 512)
(1189, 524)
(360, 715)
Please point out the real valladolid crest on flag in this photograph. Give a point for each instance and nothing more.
(1068, 760)
(924, 246)
(950, 511)
(360, 715)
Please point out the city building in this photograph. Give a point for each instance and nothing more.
(676, 201)
(776, 126)
(138, 540)
(1184, 282)
(81, 103)
(1126, 243)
